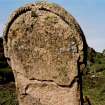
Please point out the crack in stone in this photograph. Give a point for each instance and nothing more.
(76, 78)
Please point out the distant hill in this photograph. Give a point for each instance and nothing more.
(3, 62)
(1, 49)
(6, 74)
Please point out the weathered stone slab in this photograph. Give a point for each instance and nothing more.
(46, 48)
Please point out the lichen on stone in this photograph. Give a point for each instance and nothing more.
(45, 45)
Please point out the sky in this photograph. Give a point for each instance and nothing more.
(90, 14)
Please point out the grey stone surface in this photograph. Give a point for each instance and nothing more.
(47, 51)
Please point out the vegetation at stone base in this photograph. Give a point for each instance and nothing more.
(7, 86)
(7, 94)
(93, 79)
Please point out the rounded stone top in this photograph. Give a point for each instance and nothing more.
(44, 37)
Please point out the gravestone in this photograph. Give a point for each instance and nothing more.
(46, 49)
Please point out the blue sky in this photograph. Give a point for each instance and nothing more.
(89, 13)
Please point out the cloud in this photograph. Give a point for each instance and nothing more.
(97, 43)
(1, 29)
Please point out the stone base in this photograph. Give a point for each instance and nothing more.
(34, 92)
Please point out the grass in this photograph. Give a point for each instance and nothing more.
(94, 80)
(8, 94)
(7, 86)
(94, 88)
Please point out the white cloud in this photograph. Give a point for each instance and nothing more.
(97, 43)
(1, 29)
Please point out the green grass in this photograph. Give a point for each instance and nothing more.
(94, 80)
(94, 88)
(8, 95)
